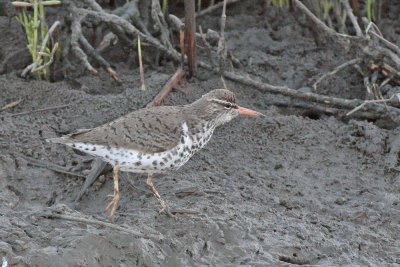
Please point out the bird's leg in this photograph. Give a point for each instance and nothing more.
(113, 205)
(164, 206)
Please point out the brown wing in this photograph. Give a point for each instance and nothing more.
(149, 130)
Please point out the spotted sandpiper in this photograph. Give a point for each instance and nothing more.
(157, 139)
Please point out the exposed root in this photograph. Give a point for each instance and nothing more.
(122, 25)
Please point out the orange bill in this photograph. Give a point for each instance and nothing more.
(249, 112)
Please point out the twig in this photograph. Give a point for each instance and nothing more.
(286, 91)
(182, 46)
(372, 101)
(361, 215)
(214, 7)
(95, 222)
(336, 70)
(320, 109)
(190, 35)
(371, 30)
(224, 83)
(40, 110)
(184, 211)
(316, 21)
(353, 18)
(167, 88)
(11, 105)
(361, 45)
(49, 166)
(221, 50)
(141, 71)
(207, 45)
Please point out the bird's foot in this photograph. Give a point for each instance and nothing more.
(165, 208)
(113, 205)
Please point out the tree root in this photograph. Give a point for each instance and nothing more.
(122, 28)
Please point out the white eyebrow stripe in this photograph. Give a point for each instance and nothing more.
(223, 102)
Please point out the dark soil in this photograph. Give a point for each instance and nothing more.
(275, 191)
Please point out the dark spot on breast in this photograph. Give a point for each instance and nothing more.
(73, 145)
(154, 163)
(138, 163)
(123, 163)
(176, 161)
(162, 163)
(182, 139)
(148, 157)
(107, 157)
(94, 148)
(86, 149)
(181, 154)
(165, 159)
(174, 152)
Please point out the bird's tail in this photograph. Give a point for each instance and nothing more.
(66, 139)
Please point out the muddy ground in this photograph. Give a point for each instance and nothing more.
(275, 191)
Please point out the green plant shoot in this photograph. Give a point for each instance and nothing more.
(32, 24)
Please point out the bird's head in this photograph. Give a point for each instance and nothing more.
(219, 106)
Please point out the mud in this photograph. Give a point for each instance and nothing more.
(276, 191)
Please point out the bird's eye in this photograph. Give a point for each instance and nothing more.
(228, 105)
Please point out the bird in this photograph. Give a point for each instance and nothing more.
(156, 139)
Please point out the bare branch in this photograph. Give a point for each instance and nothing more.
(336, 70)
(175, 79)
(221, 51)
(312, 97)
(353, 18)
(130, 29)
(215, 7)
